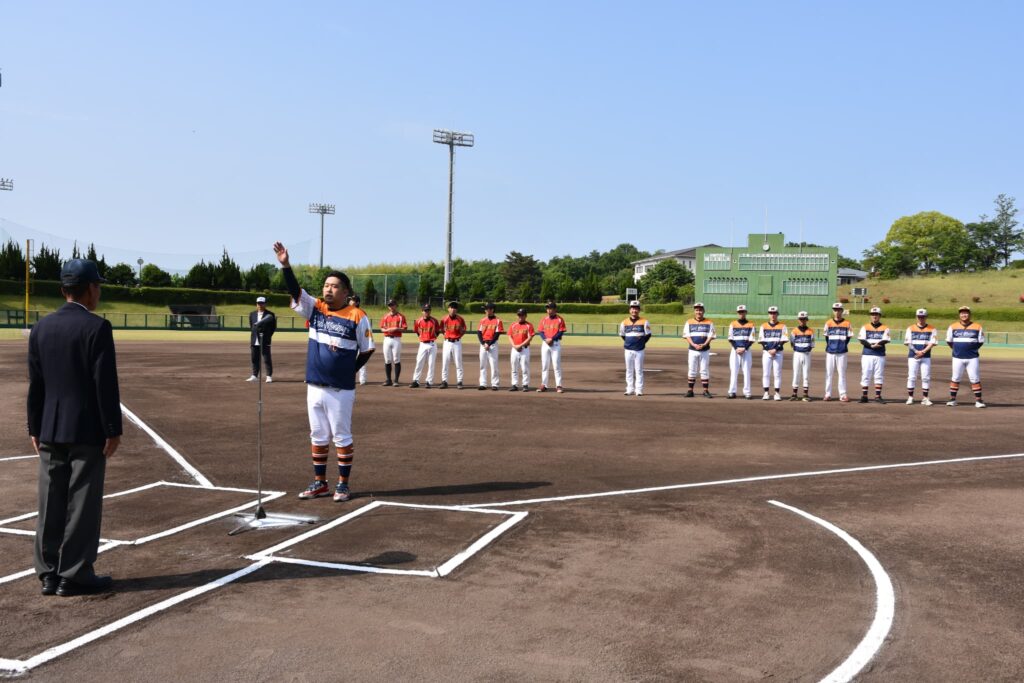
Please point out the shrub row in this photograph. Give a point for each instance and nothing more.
(156, 296)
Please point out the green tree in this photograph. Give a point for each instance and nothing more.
(982, 236)
(890, 262)
(227, 275)
(499, 293)
(369, 293)
(121, 274)
(661, 284)
(426, 289)
(547, 290)
(451, 292)
(12, 261)
(477, 290)
(519, 269)
(400, 293)
(101, 262)
(153, 276)
(590, 289)
(525, 293)
(931, 240)
(46, 264)
(259, 277)
(201, 276)
(1008, 238)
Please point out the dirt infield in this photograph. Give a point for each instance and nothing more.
(708, 582)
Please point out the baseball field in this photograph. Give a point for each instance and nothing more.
(507, 536)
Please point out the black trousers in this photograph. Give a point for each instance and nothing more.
(70, 509)
(255, 352)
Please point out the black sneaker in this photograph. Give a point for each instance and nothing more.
(689, 394)
(444, 385)
(514, 388)
(494, 388)
(482, 388)
(387, 383)
(863, 399)
(414, 385)
(794, 397)
(879, 399)
(459, 385)
(707, 394)
(526, 387)
(731, 396)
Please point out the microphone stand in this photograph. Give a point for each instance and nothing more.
(260, 519)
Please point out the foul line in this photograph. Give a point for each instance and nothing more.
(18, 457)
(20, 666)
(885, 603)
(178, 457)
(745, 480)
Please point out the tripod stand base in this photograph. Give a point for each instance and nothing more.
(261, 520)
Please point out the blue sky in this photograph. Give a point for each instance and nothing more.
(164, 128)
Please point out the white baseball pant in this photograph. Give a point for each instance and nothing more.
(426, 354)
(922, 366)
(489, 359)
(330, 415)
(801, 366)
(971, 365)
(392, 350)
(835, 364)
(697, 362)
(451, 351)
(634, 371)
(771, 368)
(872, 368)
(521, 361)
(551, 357)
(740, 362)
(362, 375)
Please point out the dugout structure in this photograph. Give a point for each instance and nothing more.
(767, 273)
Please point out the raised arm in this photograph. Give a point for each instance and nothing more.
(290, 282)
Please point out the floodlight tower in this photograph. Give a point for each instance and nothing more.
(453, 139)
(323, 210)
(7, 184)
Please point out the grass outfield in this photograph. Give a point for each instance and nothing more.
(995, 289)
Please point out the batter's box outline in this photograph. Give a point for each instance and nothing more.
(442, 570)
(108, 544)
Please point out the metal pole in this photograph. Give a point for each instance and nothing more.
(321, 239)
(28, 247)
(448, 242)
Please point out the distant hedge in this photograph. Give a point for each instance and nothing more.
(156, 296)
(608, 309)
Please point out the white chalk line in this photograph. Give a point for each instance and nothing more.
(29, 572)
(745, 480)
(20, 666)
(18, 457)
(178, 457)
(885, 603)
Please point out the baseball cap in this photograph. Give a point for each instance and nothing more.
(453, 304)
(698, 305)
(802, 315)
(79, 271)
(426, 307)
(964, 308)
(741, 309)
(392, 302)
(837, 306)
(489, 305)
(773, 309)
(355, 297)
(551, 304)
(521, 311)
(634, 304)
(922, 311)
(875, 309)
(261, 299)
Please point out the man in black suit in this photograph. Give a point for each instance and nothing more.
(261, 320)
(74, 419)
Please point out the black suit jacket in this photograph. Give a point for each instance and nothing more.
(269, 327)
(73, 396)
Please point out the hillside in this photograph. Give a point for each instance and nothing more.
(990, 289)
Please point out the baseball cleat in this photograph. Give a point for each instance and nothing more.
(514, 388)
(459, 385)
(951, 403)
(863, 399)
(844, 399)
(414, 385)
(627, 392)
(387, 383)
(826, 397)
(707, 394)
(806, 399)
(925, 401)
(730, 395)
(253, 378)
(794, 397)
(429, 385)
(341, 493)
(766, 397)
(879, 399)
(270, 380)
(980, 404)
(777, 397)
(494, 388)
(559, 390)
(689, 394)
(315, 490)
(481, 388)
(910, 401)
(526, 387)
(542, 389)
(444, 384)
(639, 393)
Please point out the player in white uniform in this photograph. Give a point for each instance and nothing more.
(742, 336)
(920, 340)
(965, 338)
(802, 340)
(873, 338)
(635, 332)
(340, 342)
(772, 337)
(698, 333)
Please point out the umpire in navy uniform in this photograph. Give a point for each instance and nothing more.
(74, 419)
(261, 320)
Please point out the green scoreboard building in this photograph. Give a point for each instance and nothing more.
(767, 273)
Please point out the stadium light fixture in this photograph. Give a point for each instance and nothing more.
(323, 210)
(453, 139)
(7, 184)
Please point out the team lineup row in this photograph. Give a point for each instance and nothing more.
(965, 337)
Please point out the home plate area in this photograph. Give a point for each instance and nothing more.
(396, 538)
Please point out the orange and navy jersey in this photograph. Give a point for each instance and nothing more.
(550, 328)
(965, 340)
(396, 322)
(454, 327)
(773, 337)
(519, 332)
(742, 334)
(837, 336)
(635, 333)
(918, 338)
(427, 329)
(802, 339)
(870, 334)
(698, 331)
(489, 329)
(336, 338)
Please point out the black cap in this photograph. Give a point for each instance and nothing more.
(453, 304)
(79, 271)
(551, 304)
(355, 297)
(426, 307)
(489, 305)
(392, 302)
(521, 311)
